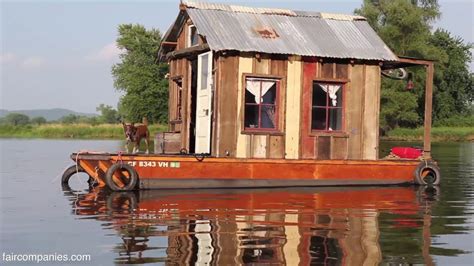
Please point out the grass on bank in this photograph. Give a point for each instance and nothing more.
(437, 134)
(71, 131)
(108, 131)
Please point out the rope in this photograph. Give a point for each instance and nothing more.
(93, 178)
(120, 157)
(199, 157)
(59, 175)
(77, 162)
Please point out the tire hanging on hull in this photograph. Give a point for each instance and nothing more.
(132, 177)
(427, 173)
(69, 172)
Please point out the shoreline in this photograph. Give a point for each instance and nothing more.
(115, 132)
(72, 131)
(438, 134)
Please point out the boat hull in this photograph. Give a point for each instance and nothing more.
(155, 172)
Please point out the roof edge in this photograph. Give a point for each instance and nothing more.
(265, 11)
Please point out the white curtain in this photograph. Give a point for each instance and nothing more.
(253, 86)
(331, 90)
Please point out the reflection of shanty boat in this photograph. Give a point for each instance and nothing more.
(254, 104)
(292, 226)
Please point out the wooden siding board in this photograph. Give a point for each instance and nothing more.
(293, 109)
(227, 106)
(261, 65)
(307, 142)
(324, 147)
(245, 66)
(370, 119)
(327, 70)
(353, 114)
(279, 67)
(377, 106)
(259, 146)
(276, 147)
(339, 148)
(342, 71)
(183, 71)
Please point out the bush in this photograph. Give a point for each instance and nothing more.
(456, 121)
(17, 119)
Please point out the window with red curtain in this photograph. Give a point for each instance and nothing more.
(261, 104)
(327, 109)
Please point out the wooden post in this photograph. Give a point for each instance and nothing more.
(428, 110)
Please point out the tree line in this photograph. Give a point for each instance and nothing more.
(404, 25)
(108, 115)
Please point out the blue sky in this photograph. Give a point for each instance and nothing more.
(59, 53)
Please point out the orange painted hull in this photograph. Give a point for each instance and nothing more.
(157, 171)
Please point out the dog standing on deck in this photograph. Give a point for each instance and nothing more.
(135, 134)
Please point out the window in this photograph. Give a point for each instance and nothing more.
(178, 94)
(327, 107)
(193, 38)
(261, 104)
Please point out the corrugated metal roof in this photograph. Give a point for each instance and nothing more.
(238, 9)
(298, 32)
(273, 11)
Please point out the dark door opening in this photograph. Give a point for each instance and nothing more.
(192, 127)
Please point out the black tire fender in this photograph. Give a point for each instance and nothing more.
(133, 177)
(427, 173)
(69, 172)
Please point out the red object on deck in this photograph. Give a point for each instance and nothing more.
(407, 152)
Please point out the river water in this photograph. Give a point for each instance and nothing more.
(335, 226)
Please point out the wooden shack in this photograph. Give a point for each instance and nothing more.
(274, 83)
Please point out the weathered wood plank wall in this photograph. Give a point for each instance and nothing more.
(251, 145)
(226, 93)
(359, 139)
(293, 108)
(353, 118)
(371, 113)
(179, 69)
(295, 139)
(321, 145)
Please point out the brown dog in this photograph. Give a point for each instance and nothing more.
(135, 134)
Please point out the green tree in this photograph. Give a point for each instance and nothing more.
(70, 119)
(453, 81)
(139, 75)
(107, 114)
(39, 120)
(17, 119)
(405, 25)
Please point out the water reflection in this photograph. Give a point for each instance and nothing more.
(278, 226)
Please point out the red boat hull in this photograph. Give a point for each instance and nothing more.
(156, 171)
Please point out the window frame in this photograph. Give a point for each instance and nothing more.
(278, 104)
(177, 91)
(189, 36)
(327, 132)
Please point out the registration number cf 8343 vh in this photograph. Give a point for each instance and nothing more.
(155, 164)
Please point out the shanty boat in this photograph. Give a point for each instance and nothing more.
(269, 98)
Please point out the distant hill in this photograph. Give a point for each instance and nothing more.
(49, 114)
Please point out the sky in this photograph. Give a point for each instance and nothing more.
(59, 54)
